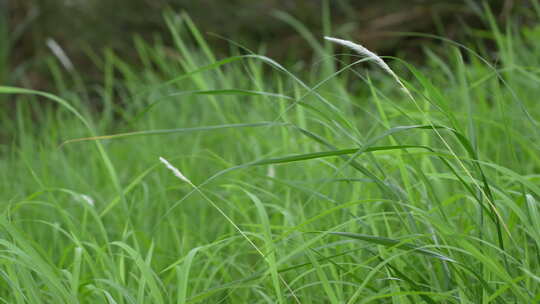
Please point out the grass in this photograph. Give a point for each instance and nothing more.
(323, 183)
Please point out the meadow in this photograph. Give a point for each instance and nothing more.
(355, 178)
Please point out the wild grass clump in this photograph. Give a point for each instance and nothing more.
(341, 184)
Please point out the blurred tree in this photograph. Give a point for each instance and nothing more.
(4, 41)
(79, 25)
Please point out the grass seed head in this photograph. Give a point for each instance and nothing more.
(362, 51)
(176, 172)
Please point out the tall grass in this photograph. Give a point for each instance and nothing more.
(340, 184)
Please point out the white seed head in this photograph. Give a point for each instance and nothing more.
(362, 51)
(369, 54)
(176, 172)
(271, 171)
(59, 53)
(83, 198)
(87, 199)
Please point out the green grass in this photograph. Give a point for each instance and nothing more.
(307, 183)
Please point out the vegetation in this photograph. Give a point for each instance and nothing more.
(83, 28)
(327, 183)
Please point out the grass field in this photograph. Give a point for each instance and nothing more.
(336, 181)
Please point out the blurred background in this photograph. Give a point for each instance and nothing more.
(31, 30)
